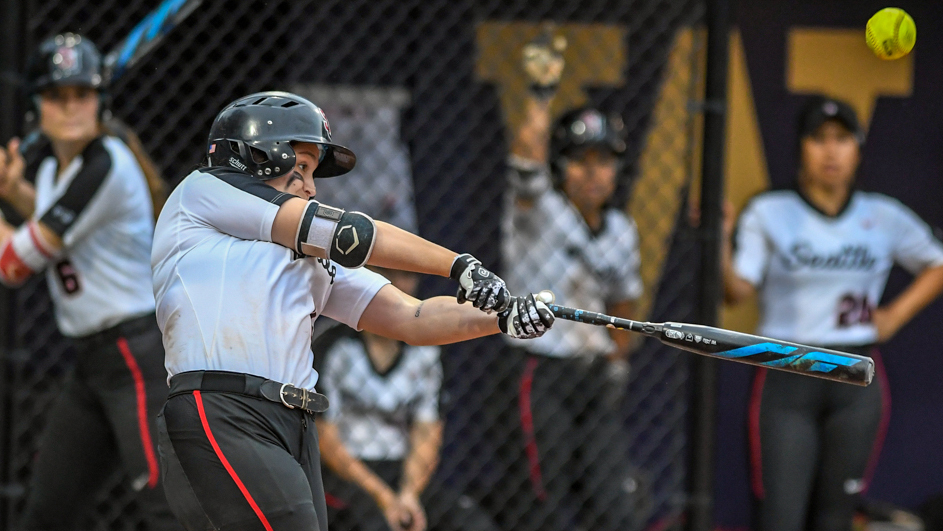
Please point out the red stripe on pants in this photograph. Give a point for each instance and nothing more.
(527, 423)
(143, 427)
(756, 454)
(225, 462)
(885, 418)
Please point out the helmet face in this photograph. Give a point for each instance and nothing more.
(582, 129)
(254, 134)
(66, 59)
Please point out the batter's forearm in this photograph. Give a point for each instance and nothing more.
(440, 321)
(399, 249)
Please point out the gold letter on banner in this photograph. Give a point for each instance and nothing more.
(839, 63)
(595, 56)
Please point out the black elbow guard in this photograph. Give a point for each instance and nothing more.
(353, 241)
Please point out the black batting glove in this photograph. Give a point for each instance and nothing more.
(484, 289)
(525, 318)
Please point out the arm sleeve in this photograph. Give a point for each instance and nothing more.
(751, 249)
(427, 408)
(91, 197)
(233, 203)
(352, 292)
(627, 284)
(915, 247)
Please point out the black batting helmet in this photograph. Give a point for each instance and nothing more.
(66, 59)
(253, 134)
(582, 129)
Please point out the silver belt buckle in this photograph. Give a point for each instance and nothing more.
(281, 395)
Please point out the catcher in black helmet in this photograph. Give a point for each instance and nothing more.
(244, 261)
(563, 233)
(89, 227)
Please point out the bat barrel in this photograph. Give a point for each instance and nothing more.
(771, 353)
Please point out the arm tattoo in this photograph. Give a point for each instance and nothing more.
(419, 309)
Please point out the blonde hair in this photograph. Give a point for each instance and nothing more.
(155, 183)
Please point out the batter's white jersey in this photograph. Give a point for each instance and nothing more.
(819, 277)
(227, 298)
(373, 411)
(549, 246)
(101, 208)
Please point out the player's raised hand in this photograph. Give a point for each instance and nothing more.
(542, 60)
(527, 317)
(11, 168)
(485, 290)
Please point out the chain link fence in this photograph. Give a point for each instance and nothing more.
(430, 95)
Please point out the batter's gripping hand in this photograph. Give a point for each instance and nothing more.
(483, 288)
(526, 318)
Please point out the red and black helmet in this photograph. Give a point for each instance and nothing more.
(66, 59)
(254, 134)
(581, 129)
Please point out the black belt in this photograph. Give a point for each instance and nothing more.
(247, 384)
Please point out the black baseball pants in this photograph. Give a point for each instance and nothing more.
(239, 463)
(103, 419)
(562, 447)
(813, 443)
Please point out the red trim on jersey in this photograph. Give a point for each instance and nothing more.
(334, 502)
(885, 418)
(13, 270)
(141, 395)
(226, 465)
(38, 241)
(756, 455)
(527, 423)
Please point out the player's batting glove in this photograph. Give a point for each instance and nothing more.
(525, 318)
(485, 290)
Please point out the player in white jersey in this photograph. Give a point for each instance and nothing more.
(244, 261)
(381, 437)
(560, 394)
(818, 257)
(89, 227)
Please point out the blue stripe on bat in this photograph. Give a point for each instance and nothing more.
(782, 362)
(759, 348)
(832, 358)
(822, 361)
(152, 25)
(822, 367)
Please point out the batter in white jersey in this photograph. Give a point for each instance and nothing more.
(89, 228)
(243, 263)
(818, 258)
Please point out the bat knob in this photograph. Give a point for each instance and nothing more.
(546, 296)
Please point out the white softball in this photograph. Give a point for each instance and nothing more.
(546, 296)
